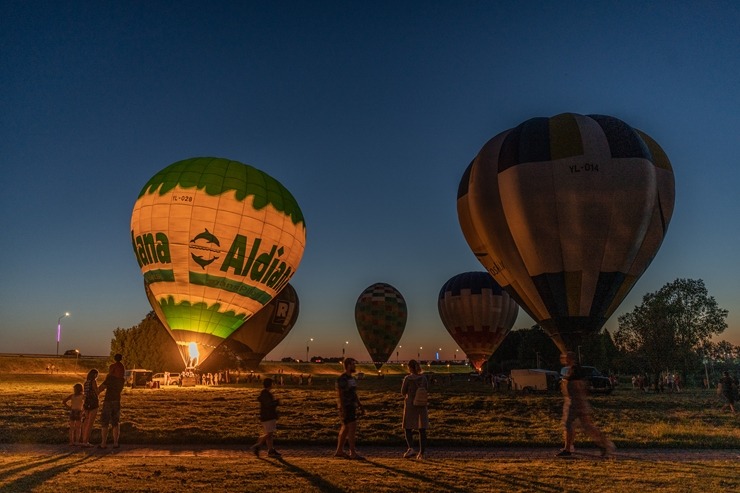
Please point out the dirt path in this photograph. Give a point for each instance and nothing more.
(673, 455)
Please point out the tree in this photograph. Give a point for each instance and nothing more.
(671, 325)
(147, 345)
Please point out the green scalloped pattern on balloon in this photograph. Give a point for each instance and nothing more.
(225, 284)
(186, 316)
(217, 176)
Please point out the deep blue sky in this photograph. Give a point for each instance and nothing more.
(368, 112)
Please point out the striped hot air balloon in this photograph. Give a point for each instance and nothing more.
(566, 213)
(477, 313)
(380, 315)
(216, 240)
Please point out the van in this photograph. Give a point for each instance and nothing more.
(535, 380)
(137, 378)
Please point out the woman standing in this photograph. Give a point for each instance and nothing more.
(90, 406)
(415, 416)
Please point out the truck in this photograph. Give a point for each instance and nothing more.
(532, 380)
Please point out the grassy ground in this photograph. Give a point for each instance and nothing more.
(462, 413)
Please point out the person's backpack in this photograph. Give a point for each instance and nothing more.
(421, 398)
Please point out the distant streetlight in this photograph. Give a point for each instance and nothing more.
(343, 348)
(418, 353)
(397, 359)
(307, 347)
(59, 329)
(456, 350)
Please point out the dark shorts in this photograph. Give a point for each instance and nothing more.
(574, 410)
(75, 415)
(111, 414)
(349, 415)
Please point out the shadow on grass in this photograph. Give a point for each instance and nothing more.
(434, 483)
(508, 481)
(314, 479)
(36, 472)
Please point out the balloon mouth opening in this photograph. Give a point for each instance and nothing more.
(190, 353)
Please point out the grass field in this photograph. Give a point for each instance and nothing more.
(462, 414)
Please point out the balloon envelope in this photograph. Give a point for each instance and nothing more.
(380, 315)
(216, 240)
(265, 330)
(568, 211)
(478, 314)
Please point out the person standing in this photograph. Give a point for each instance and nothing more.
(415, 416)
(349, 409)
(727, 388)
(90, 407)
(111, 413)
(268, 418)
(74, 402)
(576, 407)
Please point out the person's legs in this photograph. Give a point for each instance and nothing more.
(351, 431)
(409, 436)
(78, 432)
(268, 441)
(103, 436)
(422, 443)
(606, 445)
(340, 441)
(87, 428)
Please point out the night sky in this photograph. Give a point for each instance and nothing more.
(368, 112)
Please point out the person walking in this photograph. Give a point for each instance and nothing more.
(415, 413)
(349, 409)
(90, 406)
(74, 402)
(576, 407)
(110, 416)
(727, 389)
(268, 419)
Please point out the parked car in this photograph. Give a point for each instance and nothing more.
(167, 378)
(597, 382)
(72, 352)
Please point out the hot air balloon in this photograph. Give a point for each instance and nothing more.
(265, 330)
(380, 315)
(477, 313)
(568, 212)
(216, 240)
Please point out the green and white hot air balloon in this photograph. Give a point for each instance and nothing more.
(216, 240)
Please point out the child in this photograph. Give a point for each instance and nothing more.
(75, 414)
(268, 418)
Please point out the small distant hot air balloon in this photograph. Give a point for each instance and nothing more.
(477, 313)
(216, 240)
(380, 315)
(264, 331)
(566, 213)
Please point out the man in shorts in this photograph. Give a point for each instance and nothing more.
(111, 413)
(349, 408)
(577, 408)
